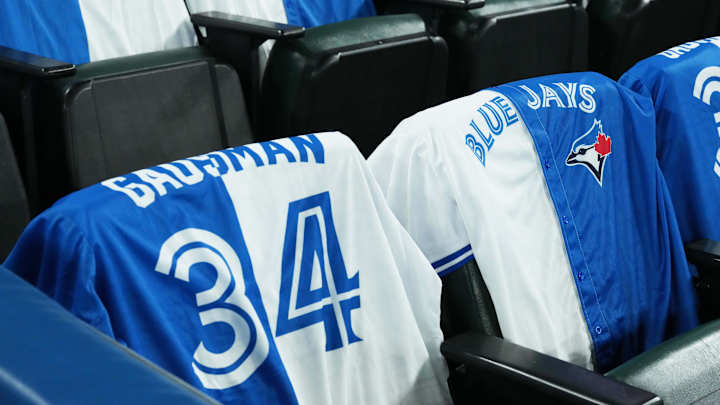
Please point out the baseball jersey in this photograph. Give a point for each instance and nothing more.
(265, 273)
(551, 185)
(82, 31)
(684, 83)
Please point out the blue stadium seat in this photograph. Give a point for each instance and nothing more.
(13, 203)
(147, 94)
(49, 356)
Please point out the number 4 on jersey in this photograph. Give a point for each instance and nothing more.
(315, 286)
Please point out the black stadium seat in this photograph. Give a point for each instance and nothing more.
(13, 203)
(505, 40)
(361, 76)
(74, 126)
(626, 31)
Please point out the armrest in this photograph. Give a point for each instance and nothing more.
(261, 29)
(33, 65)
(457, 4)
(530, 376)
(705, 254)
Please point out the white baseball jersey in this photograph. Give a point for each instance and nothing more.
(264, 273)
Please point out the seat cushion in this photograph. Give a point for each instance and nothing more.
(683, 370)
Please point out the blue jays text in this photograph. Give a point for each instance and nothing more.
(499, 114)
(143, 186)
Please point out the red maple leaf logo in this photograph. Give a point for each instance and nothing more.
(602, 146)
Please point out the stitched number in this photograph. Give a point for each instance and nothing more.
(315, 287)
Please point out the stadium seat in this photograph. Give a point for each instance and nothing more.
(683, 84)
(505, 40)
(549, 185)
(49, 356)
(73, 125)
(672, 369)
(13, 203)
(302, 13)
(626, 31)
(360, 76)
(246, 273)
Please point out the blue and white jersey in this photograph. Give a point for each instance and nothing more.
(684, 83)
(81, 31)
(551, 185)
(265, 273)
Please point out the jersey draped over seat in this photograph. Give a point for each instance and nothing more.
(552, 186)
(266, 273)
(82, 31)
(683, 84)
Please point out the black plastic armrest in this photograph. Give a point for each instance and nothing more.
(459, 4)
(704, 254)
(535, 377)
(33, 65)
(253, 27)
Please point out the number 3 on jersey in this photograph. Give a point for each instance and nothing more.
(315, 286)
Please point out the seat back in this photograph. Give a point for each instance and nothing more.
(508, 40)
(13, 203)
(624, 32)
(360, 77)
(120, 114)
(124, 114)
(81, 364)
(550, 185)
(682, 83)
(244, 268)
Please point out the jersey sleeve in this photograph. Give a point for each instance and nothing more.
(54, 255)
(418, 192)
(422, 288)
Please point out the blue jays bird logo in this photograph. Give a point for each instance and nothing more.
(591, 150)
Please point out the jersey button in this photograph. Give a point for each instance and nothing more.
(565, 220)
(581, 276)
(598, 330)
(547, 164)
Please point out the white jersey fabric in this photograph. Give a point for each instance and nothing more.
(265, 273)
(117, 28)
(504, 212)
